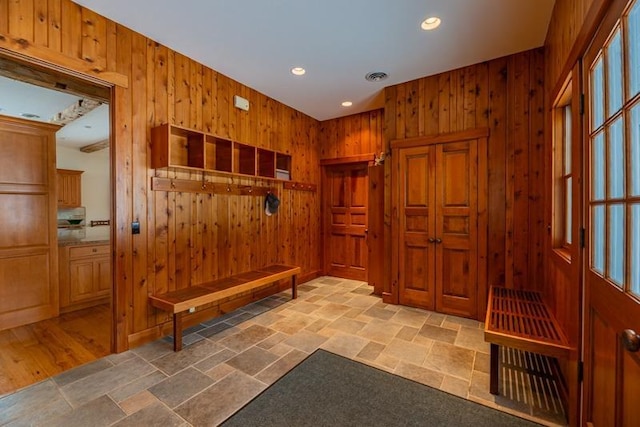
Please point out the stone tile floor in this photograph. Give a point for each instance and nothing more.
(229, 360)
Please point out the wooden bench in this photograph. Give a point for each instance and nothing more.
(520, 319)
(180, 301)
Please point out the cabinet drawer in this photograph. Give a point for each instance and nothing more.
(86, 251)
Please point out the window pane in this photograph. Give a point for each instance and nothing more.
(567, 213)
(616, 159)
(634, 50)
(597, 172)
(635, 150)
(616, 243)
(597, 100)
(567, 140)
(635, 249)
(597, 241)
(614, 74)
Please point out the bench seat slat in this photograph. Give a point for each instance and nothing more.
(520, 319)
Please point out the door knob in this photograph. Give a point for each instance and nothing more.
(438, 240)
(630, 340)
(431, 240)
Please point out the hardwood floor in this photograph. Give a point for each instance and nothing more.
(34, 352)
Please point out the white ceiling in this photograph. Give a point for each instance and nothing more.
(18, 98)
(257, 42)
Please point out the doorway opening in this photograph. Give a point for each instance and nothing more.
(78, 327)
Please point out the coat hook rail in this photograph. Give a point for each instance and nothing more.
(189, 186)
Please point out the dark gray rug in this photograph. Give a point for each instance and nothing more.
(330, 390)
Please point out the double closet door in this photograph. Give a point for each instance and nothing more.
(439, 191)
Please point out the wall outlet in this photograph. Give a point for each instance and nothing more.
(192, 310)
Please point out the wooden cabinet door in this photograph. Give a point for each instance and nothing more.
(81, 280)
(457, 228)
(417, 226)
(28, 246)
(345, 220)
(69, 188)
(102, 278)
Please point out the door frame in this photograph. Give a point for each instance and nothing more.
(480, 134)
(40, 59)
(364, 159)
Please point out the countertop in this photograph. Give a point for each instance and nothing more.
(84, 236)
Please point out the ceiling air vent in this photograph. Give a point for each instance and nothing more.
(376, 76)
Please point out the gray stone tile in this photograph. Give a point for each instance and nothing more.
(331, 311)
(242, 317)
(345, 345)
(281, 366)
(212, 361)
(82, 371)
(379, 313)
(136, 386)
(246, 338)
(292, 324)
(406, 351)
(451, 360)
(329, 281)
(191, 339)
(153, 350)
(305, 340)
(410, 318)
(102, 382)
(155, 414)
(472, 338)
(221, 400)
(181, 387)
(456, 386)
(371, 351)
(96, 413)
(20, 405)
(407, 333)
(121, 357)
(214, 329)
(305, 307)
(438, 334)
(482, 363)
(435, 319)
(252, 360)
(469, 323)
(267, 319)
(347, 325)
(177, 361)
(419, 374)
(318, 325)
(272, 341)
(380, 331)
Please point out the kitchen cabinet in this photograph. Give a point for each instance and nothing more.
(69, 188)
(85, 276)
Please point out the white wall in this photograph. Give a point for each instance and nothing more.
(96, 193)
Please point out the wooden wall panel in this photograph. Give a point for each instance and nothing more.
(504, 95)
(352, 135)
(185, 238)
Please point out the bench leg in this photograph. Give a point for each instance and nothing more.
(494, 369)
(294, 287)
(177, 331)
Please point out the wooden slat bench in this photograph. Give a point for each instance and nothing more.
(520, 319)
(180, 301)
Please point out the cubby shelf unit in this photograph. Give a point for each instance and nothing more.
(177, 147)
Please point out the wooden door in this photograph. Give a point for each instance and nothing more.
(345, 212)
(28, 235)
(456, 228)
(439, 223)
(416, 226)
(612, 268)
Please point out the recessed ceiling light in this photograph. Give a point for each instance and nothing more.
(30, 116)
(298, 71)
(87, 126)
(431, 23)
(347, 103)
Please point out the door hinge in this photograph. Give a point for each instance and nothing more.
(580, 371)
(582, 231)
(582, 104)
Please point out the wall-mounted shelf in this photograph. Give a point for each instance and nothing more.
(178, 147)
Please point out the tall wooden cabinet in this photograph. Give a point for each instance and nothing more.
(28, 246)
(439, 226)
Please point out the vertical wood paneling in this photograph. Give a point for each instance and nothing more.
(352, 135)
(496, 94)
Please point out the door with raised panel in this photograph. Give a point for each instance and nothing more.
(437, 226)
(345, 202)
